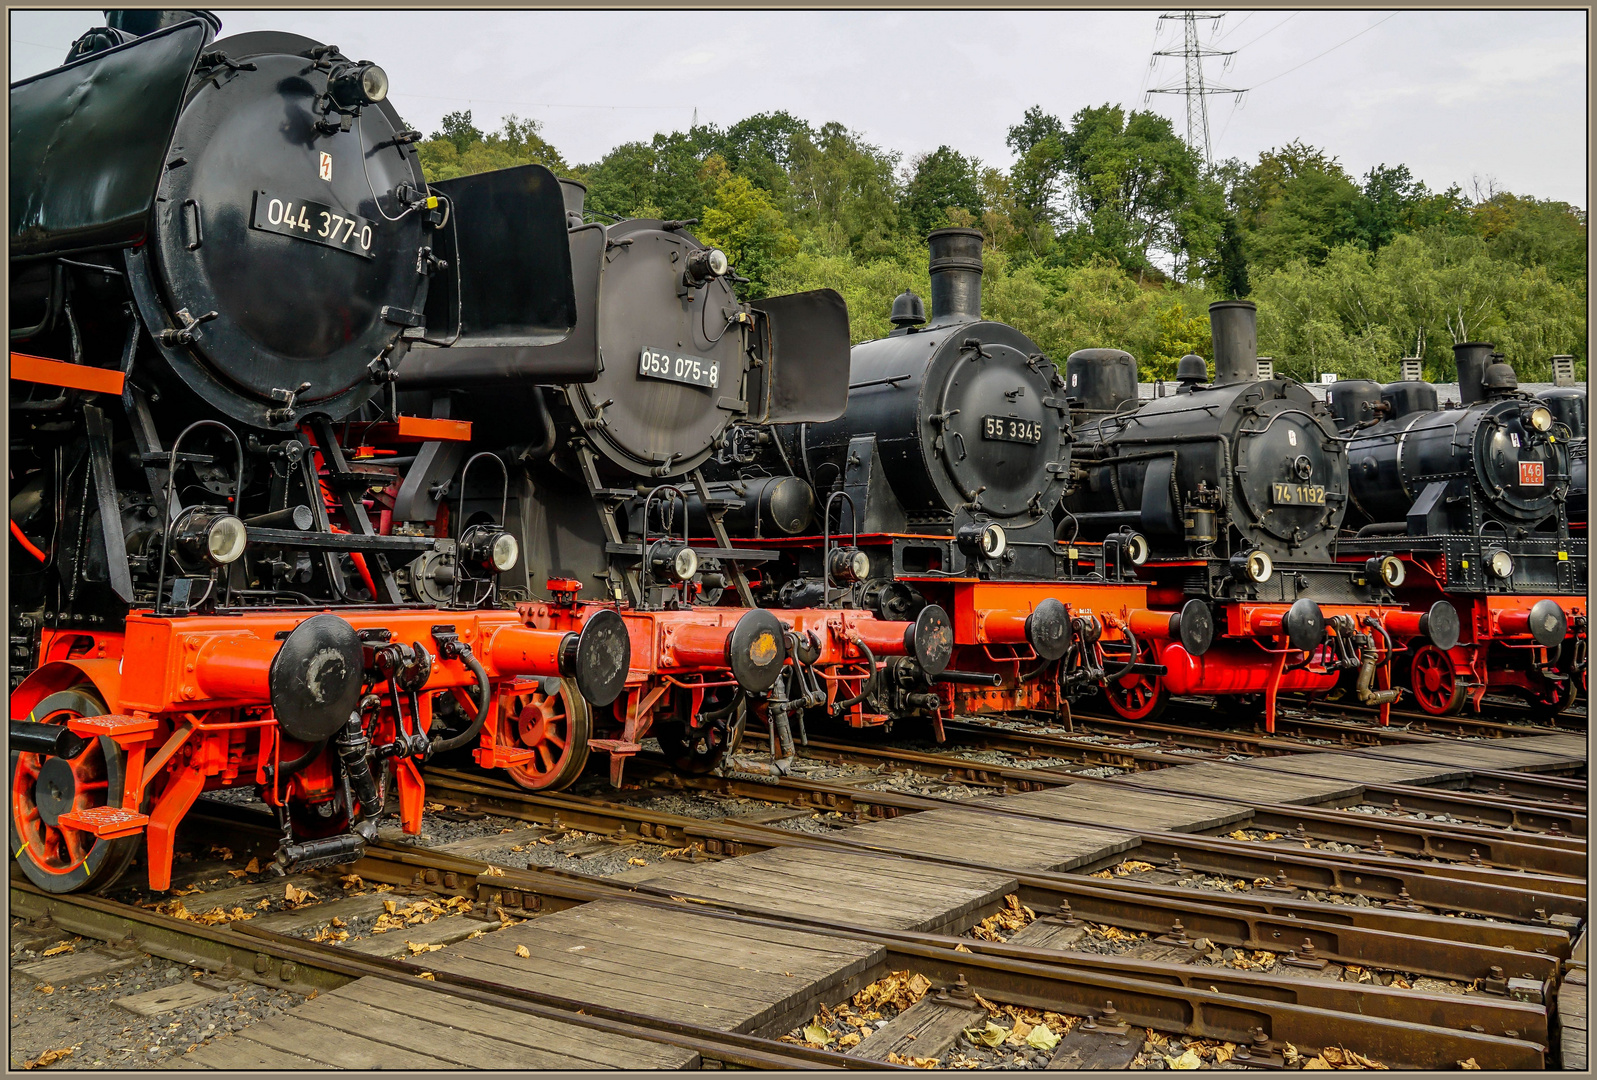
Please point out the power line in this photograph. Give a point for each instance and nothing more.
(1193, 87)
(1235, 28)
(536, 104)
(1332, 49)
(1272, 30)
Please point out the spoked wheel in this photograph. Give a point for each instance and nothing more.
(1549, 698)
(1436, 688)
(704, 727)
(554, 722)
(57, 858)
(1137, 696)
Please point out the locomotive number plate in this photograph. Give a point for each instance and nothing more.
(312, 221)
(692, 370)
(1298, 494)
(1009, 429)
(1532, 474)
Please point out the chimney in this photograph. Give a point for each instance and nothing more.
(1563, 370)
(1471, 359)
(956, 275)
(1411, 369)
(1234, 329)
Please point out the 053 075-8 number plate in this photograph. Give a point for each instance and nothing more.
(1297, 494)
(311, 221)
(1009, 429)
(692, 370)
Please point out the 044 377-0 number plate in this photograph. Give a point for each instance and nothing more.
(1297, 494)
(314, 222)
(1009, 429)
(693, 370)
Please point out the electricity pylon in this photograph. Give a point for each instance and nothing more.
(1193, 85)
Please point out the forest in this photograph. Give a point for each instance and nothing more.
(1107, 231)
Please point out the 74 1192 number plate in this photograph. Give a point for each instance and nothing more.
(305, 220)
(692, 370)
(1010, 429)
(1297, 494)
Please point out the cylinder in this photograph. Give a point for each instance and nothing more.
(1102, 380)
(956, 274)
(1471, 358)
(1353, 401)
(518, 650)
(767, 505)
(1406, 396)
(1234, 329)
(1233, 669)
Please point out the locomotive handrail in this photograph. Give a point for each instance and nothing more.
(644, 545)
(826, 540)
(171, 520)
(460, 517)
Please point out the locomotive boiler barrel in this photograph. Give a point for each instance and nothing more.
(783, 505)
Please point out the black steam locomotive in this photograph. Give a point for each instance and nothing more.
(220, 253)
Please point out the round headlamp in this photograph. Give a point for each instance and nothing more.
(849, 564)
(502, 554)
(1136, 548)
(354, 85)
(675, 562)
(706, 264)
(1388, 568)
(224, 539)
(493, 550)
(1500, 563)
(1259, 567)
(1541, 418)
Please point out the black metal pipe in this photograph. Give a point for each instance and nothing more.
(1384, 528)
(972, 678)
(54, 740)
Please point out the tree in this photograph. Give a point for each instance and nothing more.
(1297, 202)
(938, 182)
(743, 221)
(843, 188)
(460, 149)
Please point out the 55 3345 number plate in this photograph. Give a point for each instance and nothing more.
(312, 221)
(1297, 494)
(1010, 429)
(692, 370)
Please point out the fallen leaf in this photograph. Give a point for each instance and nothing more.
(521, 950)
(253, 866)
(426, 975)
(65, 946)
(818, 1035)
(991, 1035)
(50, 1057)
(1042, 1037)
(637, 862)
(435, 806)
(297, 896)
(491, 871)
(336, 921)
(263, 904)
(960, 948)
(517, 847)
(225, 854)
(44, 988)
(1468, 1063)
(417, 948)
(851, 1039)
(238, 873)
(1188, 1060)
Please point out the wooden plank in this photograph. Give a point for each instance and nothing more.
(1131, 810)
(995, 840)
(165, 999)
(444, 931)
(775, 895)
(342, 1049)
(577, 1044)
(846, 883)
(247, 896)
(621, 918)
(1369, 770)
(1049, 932)
(1241, 782)
(232, 1052)
(1096, 1049)
(925, 1029)
(75, 966)
(1477, 755)
(316, 916)
(897, 867)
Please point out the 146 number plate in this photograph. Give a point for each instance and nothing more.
(314, 222)
(692, 370)
(1009, 429)
(1298, 494)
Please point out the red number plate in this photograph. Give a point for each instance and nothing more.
(1532, 474)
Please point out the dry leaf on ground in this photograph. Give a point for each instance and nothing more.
(521, 950)
(50, 1057)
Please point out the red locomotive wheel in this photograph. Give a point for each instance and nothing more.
(1436, 688)
(1137, 696)
(557, 726)
(1549, 698)
(56, 858)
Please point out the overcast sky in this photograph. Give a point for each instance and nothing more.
(1455, 95)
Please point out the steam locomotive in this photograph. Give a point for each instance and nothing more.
(1479, 503)
(220, 252)
(604, 487)
(1239, 486)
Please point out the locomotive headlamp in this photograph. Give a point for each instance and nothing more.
(216, 538)
(1388, 568)
(706, 264)
(494, 550)
(1500, 563)
(677, 562)
(353, 85)
(1541, 418)
(848, 565)
(982, 540)
(1254, 566)
(1136, 548)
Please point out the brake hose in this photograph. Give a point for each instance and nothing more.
(456, 741)
(866, 686)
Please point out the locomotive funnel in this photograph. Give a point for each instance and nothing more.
(956, 275)
(1471, 358)
(1234, 328)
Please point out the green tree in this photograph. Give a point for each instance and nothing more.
(460, 149)
(1297, 202)
(843, 189)
(743, 221)
(940, 181)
